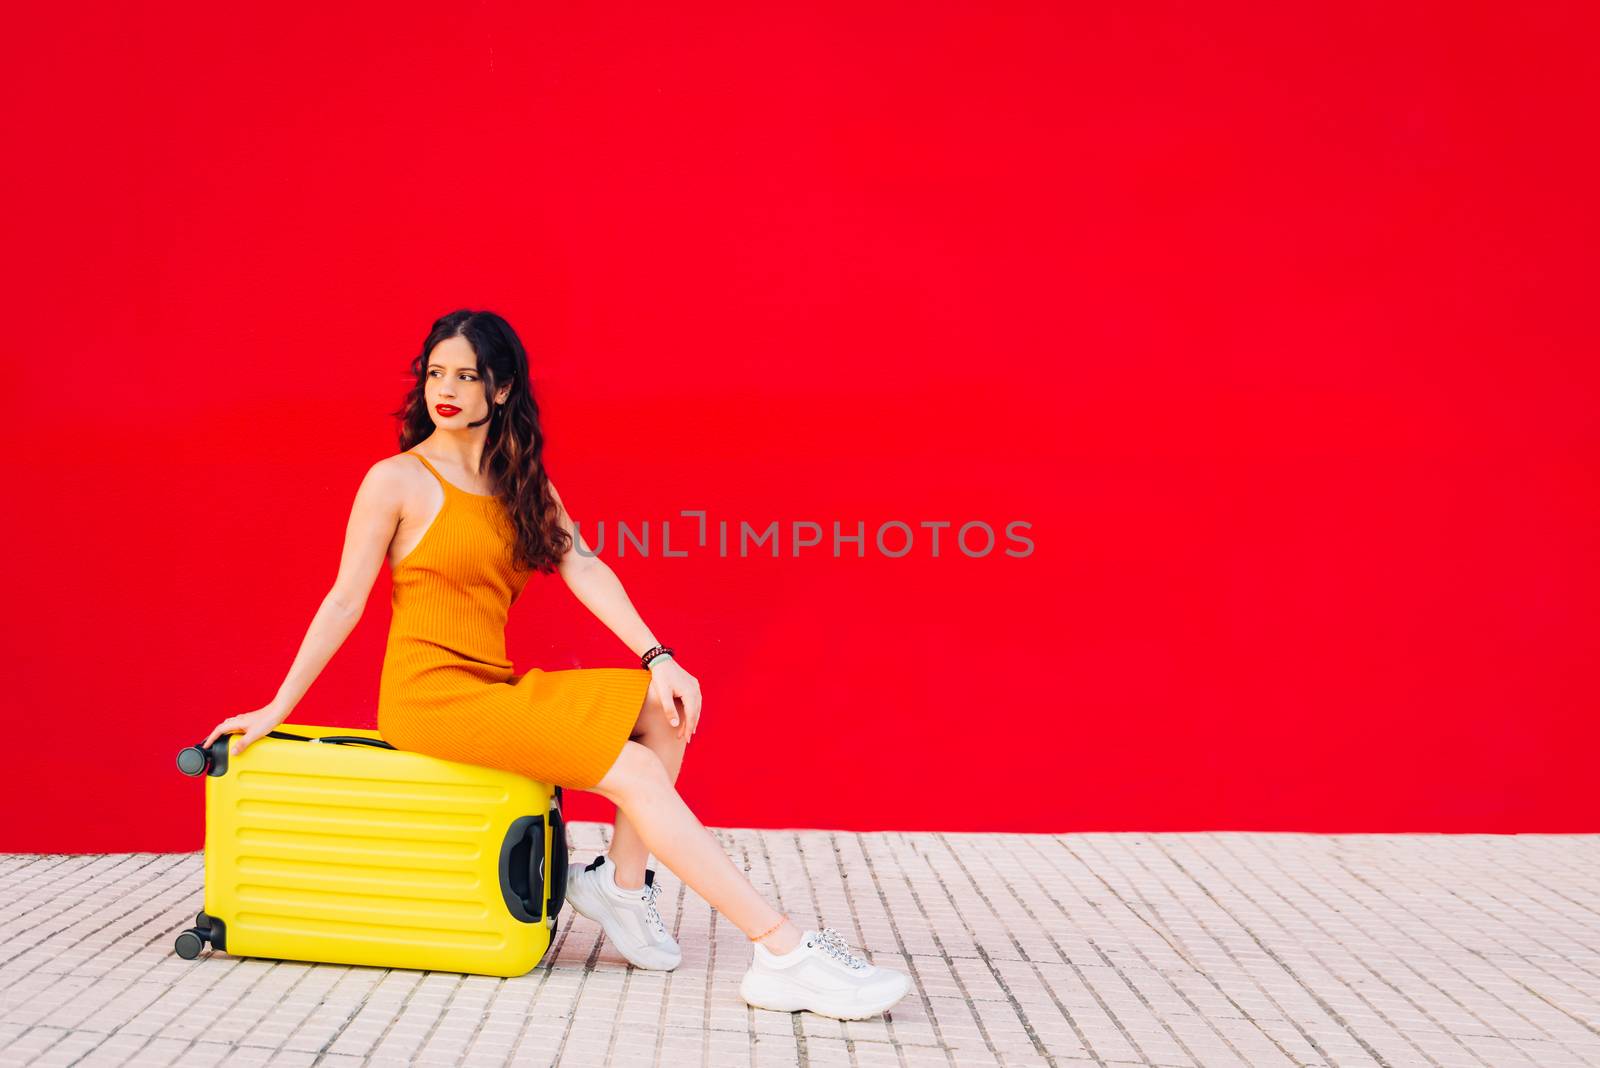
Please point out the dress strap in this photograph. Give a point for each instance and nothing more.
(442, 480)
(451, 487)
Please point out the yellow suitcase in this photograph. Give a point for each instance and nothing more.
(328, 844)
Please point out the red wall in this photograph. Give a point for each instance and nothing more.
(1275, 324)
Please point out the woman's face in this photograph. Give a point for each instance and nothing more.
(454, 390)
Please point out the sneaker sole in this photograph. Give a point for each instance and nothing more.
(765, 992)
(575, 892)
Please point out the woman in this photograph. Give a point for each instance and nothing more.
(464, 514)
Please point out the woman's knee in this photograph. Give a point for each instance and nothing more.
(654, 729)
(636, 768)
(651, 717)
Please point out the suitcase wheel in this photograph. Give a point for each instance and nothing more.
(208, 929)
(189, 944)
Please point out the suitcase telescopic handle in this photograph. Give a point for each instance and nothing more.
(558, 855)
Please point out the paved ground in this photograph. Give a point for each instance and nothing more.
(1154, 949)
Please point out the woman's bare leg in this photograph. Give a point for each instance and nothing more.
(628, 851)
(641, 788)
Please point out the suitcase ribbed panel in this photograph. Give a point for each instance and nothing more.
(357, 855)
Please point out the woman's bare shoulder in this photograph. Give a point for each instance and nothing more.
(400, 461)
(399, 475)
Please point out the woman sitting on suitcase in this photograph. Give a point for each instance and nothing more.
(464, 514)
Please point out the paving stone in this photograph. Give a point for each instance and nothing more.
(1169, 950)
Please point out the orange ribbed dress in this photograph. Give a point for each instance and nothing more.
(448, 689)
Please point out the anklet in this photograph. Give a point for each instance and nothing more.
(769, 930)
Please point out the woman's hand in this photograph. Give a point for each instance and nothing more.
(249, 727)
(669, 682)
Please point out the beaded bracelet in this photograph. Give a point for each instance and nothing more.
(653, 652)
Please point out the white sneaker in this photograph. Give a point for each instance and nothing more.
(628, 917)
(821, 975)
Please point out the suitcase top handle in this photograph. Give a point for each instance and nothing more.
(330, 739)
(214, 761)
(197, 761)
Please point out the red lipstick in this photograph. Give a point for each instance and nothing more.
(446, 409)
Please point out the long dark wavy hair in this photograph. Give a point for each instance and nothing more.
(513, 454)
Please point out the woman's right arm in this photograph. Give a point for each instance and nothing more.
(374, 518)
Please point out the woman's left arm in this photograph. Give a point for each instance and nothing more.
(598, 588)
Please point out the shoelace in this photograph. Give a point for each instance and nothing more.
(648, 895)
(833, 944)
